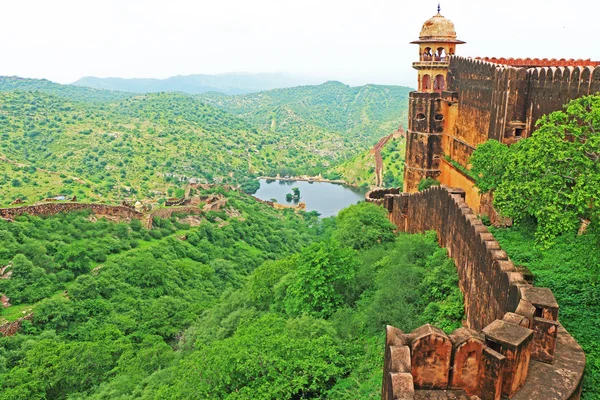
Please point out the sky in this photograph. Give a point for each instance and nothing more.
(356, 42)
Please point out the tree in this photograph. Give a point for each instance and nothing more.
(363, 225)
(553, 176)
(323, 274)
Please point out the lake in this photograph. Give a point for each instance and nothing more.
(324, 197)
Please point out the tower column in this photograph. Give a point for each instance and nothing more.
(426, 125)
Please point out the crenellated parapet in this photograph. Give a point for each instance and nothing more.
(512, 346)
(540, 62)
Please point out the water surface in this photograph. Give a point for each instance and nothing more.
(324, 197)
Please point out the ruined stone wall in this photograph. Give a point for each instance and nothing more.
(10, 328)
(57, 208)
(514, 346)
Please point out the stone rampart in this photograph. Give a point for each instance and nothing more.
(513, 345)
(57, 208)
(377, 195)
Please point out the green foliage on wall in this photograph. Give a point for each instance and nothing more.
(425, 184)
(553, 176)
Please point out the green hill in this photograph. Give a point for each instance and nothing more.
(362, 114)
(253, 303)
(14, 83)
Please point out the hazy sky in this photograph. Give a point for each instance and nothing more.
(352, 41)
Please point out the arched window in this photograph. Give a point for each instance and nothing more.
(427, 54)
(440, 55)
(439, 84)
(426, 85)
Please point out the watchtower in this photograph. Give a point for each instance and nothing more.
(432, 106)
(437, 43)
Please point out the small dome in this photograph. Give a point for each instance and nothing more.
(438, 28)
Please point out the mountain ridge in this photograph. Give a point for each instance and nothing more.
(232, 83)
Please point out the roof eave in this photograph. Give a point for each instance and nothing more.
(454, 41)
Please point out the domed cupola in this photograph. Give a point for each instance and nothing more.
(437, 42)
(438, 28)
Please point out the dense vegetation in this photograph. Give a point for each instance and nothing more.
(553, 177)
(333, 117)
(98, 145)
(257, 304)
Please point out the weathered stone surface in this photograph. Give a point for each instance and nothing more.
(559, 380)
(514, 343)
(431, 350)
(491, 374)
(543, 300)
(10, 328)
(516, 319)
(57, 208)
(400, 387)
(442, 395)
(545, 332)
(466, 360)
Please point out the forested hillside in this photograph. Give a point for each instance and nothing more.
(251, 303)
(14, 83)
(362, 114)
(65, 140)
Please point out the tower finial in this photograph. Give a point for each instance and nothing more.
(439, 8)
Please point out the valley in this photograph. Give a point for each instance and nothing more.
(110, 146)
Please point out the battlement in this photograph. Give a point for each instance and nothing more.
(543, 62)
(512, 346)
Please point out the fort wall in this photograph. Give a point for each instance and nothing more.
(512, 346)
(57, 208)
